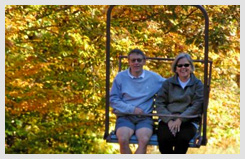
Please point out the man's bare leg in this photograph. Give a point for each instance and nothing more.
(123, 135)
(143, 136)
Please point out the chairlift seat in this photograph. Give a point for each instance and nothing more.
(195, 142)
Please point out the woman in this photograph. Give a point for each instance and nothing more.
(180, 95)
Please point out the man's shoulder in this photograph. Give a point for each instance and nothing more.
(152, 73)
(122, 74)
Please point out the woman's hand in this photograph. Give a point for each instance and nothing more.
(174, 126)
(171, 127)
(177, 124)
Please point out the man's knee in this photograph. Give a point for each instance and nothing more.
(124, 134)
(123, 139)
(144, 140)
(144, 135)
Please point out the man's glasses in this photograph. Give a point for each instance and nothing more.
(134, 60)
(185, 65)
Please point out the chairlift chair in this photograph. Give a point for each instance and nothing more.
(200, 138)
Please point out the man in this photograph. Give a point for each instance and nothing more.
(132, 92)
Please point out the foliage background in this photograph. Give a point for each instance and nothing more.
(55, 71)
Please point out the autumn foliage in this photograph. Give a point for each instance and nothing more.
(55, 70)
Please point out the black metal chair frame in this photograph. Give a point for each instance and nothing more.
(201, 135)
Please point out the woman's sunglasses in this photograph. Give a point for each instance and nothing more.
(185, 65)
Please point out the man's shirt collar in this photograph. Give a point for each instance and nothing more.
(133, 77)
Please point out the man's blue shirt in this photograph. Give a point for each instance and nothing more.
(128, 92)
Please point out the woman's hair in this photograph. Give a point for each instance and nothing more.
(137, 51)
(181, 56)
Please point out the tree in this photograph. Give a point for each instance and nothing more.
(55, 69)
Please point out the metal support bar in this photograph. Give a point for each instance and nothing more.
(205, 92)
(108, 40)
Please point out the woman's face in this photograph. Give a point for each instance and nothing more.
(183, 69)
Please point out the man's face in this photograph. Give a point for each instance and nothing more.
(136, 63)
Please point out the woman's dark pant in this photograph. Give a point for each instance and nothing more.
(169, 144)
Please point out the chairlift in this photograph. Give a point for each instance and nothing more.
(201, 135)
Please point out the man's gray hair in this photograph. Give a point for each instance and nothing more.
(137, 51)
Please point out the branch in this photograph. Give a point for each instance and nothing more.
(187, 16)
(58, 10)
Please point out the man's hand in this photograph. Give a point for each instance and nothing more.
(138, 111)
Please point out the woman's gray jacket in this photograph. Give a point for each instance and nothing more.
(173, 99)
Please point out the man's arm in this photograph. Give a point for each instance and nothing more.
(116, 99)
